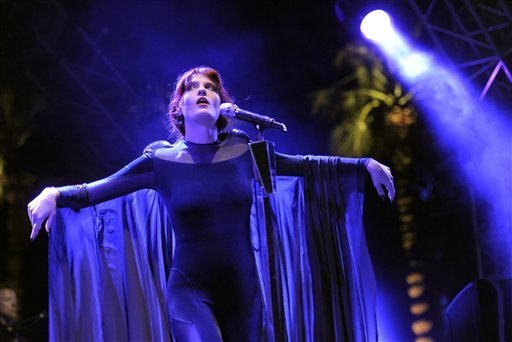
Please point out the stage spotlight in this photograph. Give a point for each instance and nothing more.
(376, 25)
(476, 134)
(414, 64)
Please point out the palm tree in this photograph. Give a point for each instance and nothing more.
(15, 130)
(373, 115)
(362, 103)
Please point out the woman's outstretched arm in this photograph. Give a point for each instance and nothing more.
(134, 176)
(380, 174)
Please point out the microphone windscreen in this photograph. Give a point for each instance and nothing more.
(227, 109)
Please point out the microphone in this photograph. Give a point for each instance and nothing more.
(232, 111)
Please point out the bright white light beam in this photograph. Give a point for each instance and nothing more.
(376, 26)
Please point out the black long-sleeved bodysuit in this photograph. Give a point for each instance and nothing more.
(213, 289)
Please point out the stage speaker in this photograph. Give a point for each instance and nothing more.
(481, 311)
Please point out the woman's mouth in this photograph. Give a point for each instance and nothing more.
(202, 101)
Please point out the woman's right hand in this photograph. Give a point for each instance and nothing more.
(43, 207)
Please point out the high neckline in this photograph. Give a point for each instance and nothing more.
(216, 142)
(191, 144)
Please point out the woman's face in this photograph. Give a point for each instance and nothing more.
(200, 102)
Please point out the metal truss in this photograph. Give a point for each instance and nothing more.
(475, 36)
(81, 78)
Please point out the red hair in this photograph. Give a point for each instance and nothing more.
(175, 114)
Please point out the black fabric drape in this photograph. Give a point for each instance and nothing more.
(324, 273)
(108, 271)
(109, 263)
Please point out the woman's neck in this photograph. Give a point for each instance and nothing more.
(201, 134)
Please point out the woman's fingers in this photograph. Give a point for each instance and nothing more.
(49, 222)
(40, 209)
(382, 179)
(35, 231)
(378, 186)
(391, 190)
(36, 220)
(389, 184)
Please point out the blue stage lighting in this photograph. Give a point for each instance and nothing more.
(414, 64)
(476, 136)
(376, 26)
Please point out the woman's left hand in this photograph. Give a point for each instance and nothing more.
(382, 179)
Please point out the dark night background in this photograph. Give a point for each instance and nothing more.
(88, 83)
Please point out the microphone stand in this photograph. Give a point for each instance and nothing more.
(263, 155)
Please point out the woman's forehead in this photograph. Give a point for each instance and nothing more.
(198, 78)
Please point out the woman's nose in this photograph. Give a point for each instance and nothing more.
(201, 91)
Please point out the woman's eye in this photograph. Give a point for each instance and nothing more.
(194, 85)
(211, 87)
(190, 86)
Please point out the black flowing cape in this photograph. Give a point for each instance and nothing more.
(109, 263)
